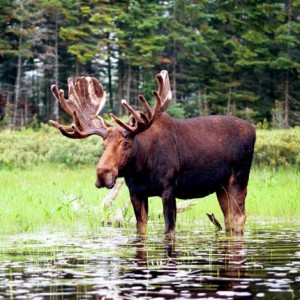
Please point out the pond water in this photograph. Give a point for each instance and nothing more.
(112, 264)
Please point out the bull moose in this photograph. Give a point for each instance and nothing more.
(161, 156)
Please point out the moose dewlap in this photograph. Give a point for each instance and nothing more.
(161, 156)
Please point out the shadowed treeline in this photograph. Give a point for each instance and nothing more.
(237, 58)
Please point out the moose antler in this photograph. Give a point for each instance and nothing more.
(140, 121)
(86, 99)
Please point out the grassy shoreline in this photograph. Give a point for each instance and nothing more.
(57, 196)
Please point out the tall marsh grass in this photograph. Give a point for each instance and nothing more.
(48, 195)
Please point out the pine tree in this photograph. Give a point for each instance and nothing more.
(287, 62)
(21, 30)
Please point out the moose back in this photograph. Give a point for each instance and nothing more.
(161, 156)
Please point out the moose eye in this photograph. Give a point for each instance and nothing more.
(125, 145)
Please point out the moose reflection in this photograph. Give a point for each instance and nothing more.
(165, 269)
(161, 156)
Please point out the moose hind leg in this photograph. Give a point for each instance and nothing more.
(232, 202)
(140, 207)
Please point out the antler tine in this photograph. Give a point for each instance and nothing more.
(59, 95)
(127, 127)
(140, 119)
(163, 95)
(143, 120)
(132, 111)
(146, 105)
(85, 101)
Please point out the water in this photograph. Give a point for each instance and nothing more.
(112, 264)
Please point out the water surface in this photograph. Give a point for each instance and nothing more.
(113, 264)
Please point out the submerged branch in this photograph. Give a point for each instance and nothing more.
(213, 219)
(184, 206)
(113, 193)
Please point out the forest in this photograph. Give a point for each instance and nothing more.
(239, 58)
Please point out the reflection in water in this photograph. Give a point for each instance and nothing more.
(198, 264)
(216, 272)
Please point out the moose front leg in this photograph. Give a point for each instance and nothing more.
(140, 207)
(169, 209)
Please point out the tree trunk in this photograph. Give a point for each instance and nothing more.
(205, 101)
(110, 90)
(26, 112)
(128, 82)
(174, 92)
(120, 84)
(8, 108)
(286, 90)
(77, 68)
(174, 86)
(56, 69)
(136, 85)
(200, 102)
(18, 79)
(286, 105)
(22, 117)
(229, 108)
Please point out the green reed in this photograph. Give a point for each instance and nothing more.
(59, 197)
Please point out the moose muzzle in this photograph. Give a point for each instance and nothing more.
(106, 178)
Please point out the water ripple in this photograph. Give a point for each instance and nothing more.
(113, 265)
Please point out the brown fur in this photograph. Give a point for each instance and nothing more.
(182, 159)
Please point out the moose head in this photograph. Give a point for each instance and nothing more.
(85, 101)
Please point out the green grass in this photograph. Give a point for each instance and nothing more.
(62, 198)
(272, 193)
(49, 195)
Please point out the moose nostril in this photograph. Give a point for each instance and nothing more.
(111, 186)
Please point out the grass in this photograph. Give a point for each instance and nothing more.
(49, 195)
(58, 197)
(272, 193)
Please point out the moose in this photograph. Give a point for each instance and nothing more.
(161, 156)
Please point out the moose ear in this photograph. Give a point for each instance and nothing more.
(126, 134)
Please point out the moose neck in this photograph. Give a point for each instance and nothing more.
(147, 147)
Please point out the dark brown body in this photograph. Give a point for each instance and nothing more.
(186, 159)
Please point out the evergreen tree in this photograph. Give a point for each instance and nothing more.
(21, 31)
(231, 57)
(287, 61)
